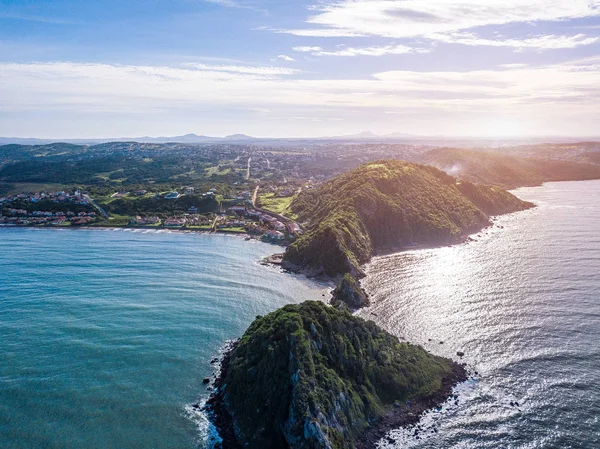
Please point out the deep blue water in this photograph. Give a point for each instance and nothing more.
(107, 335)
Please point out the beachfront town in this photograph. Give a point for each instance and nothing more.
(32, 209)
(237, 219)
(77, 209)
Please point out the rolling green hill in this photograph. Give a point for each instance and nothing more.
(385, 205)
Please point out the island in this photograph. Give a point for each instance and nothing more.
(310, 376)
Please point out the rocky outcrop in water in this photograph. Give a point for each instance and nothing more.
(349, 294)
(310, 376)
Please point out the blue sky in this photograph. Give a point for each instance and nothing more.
(299, 68)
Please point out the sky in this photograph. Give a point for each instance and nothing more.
(294, 68)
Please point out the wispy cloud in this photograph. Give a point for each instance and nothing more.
(235, 4)
(555, 94)
(285, 58)
(546, 42)
(306, 49)
(37, 18)
(245, 69)
(411, 18)
(513, 66)
(372, 51)
(226, 3)
(315, 32)
(45, 85)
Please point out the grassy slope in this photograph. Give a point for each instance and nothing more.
(278, 205)
(507, 171)
(388, 204)
(311, 363)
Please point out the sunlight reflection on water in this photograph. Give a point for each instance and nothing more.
(523, 303)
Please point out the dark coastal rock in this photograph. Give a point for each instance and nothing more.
(349, 294)
(206, 380)
(310, 376)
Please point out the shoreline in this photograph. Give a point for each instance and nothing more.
(215, 408)
(411, 413)
(155, 230)
(395, 417)
(148, 228)
(465, 238)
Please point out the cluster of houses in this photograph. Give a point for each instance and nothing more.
(57, 197)
(168, 196)
(197, 220)
(253, 221)
(187, 191)
(21, 212)
(273, 228)
(174, 222)
(188, 220)
(245, 196)
(37, 217)
(144, 220)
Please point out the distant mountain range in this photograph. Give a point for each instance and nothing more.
(364, 136)
(195, 138)
(187, 138)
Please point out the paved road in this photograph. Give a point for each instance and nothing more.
(93, 203)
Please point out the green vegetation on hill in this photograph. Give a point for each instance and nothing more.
(309, 376)
(507, 171)
(131, 206)
(279, 205)
(116, 170)
(491, 200)
(388, 204)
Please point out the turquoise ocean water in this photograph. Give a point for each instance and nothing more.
(106, 336)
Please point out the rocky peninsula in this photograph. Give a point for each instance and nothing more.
(385, 206)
